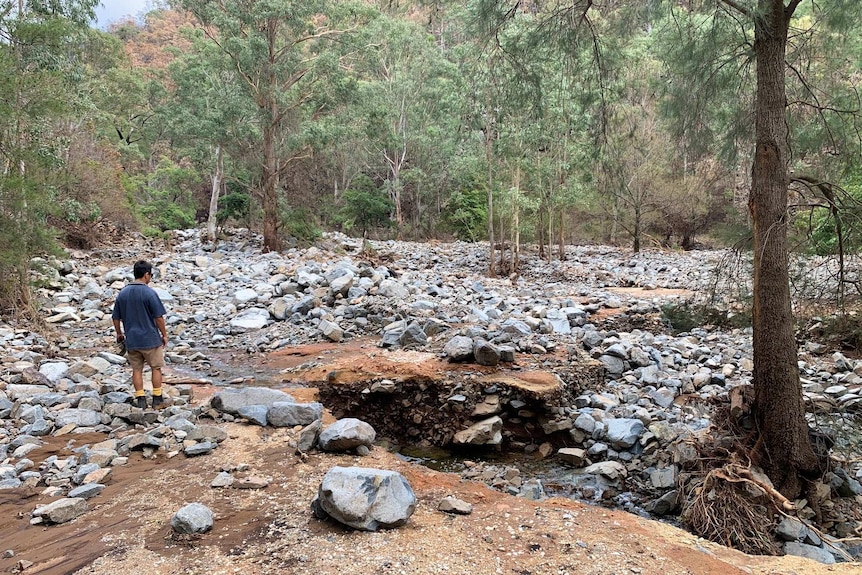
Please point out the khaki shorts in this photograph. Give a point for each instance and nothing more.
(154, 357)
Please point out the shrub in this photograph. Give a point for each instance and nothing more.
(364, 207)
(465, 214)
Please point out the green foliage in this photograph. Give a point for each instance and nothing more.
(300, 224)
(364, 207)
(820, 224)
(465, 214)
(233, 206)
(39, 73)
(165, 201)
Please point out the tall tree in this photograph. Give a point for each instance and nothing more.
(40, 45)
(273, 47)
(788, 455)
(785, 450)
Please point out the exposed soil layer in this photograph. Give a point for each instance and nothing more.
(429, 398)
(272, 530)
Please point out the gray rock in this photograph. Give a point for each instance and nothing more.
(230, 400)
(613, 470)
(10, 483)
(245, 295)
(486, 353)
(308, 436)
(202, 448)
(623, 433)
(62, 510)
(142, 440)
(223, 479)
(664, 478)
(256, 414)
(613, 364)
(54, 371)
(305, 305)
(87, 490)
(451, 504)
(393, 290)
(38, 428)
(487, 432)
(251, 319)
(791, 529)
(459, 348)
(365, 499)
(667, 503)
(516, 327)
(280, 308)
(532, 490)
(193, 518)
(83, 471)
(79, 417)
(207, 433)
(809, 552)
(21, 391)
(347, 433)
(413, 337)
(330, 330)
(288, 414)
(572, 455)
(663, 397)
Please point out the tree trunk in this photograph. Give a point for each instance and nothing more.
(488, 157)
(217, 176)
(786, 450)
(270, 191)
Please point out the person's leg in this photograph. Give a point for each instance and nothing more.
(157, 386)
(156, 360)
(137, 362)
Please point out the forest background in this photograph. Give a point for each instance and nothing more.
(632, 125)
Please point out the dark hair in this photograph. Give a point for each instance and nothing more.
(142, 268)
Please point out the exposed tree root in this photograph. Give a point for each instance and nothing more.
(733, 508)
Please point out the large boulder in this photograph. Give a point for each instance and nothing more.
(347, 433)
(365, 499)
(288, 414)
(230, 400)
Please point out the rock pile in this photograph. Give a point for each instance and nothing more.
(622, 425)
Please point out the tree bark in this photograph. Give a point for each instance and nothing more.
(489, 142)
(786, 453)
(217, 177)
(270, 190)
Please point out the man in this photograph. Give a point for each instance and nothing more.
(140, 313)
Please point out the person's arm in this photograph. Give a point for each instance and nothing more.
(118, 329)
(160, 323)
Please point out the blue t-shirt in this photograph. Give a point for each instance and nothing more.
(137, 306)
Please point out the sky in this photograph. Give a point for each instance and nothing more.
(112, 10)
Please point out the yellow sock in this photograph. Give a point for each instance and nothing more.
(157, 391)
(140, 393)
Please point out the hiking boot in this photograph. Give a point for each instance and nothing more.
(140, 402)
(157, 401)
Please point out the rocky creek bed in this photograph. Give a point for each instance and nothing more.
(569, 364)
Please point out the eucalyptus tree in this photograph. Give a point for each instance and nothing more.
(405, 91)
(765, 27)
(278, 50)
(39, 64)
(209, 119)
